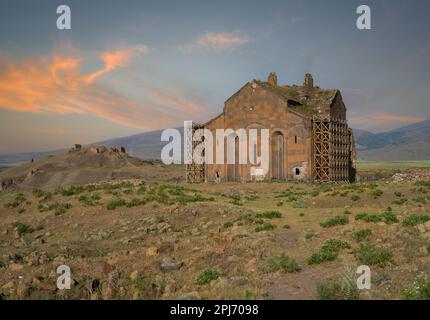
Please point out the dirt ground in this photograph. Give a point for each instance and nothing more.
(136, 239)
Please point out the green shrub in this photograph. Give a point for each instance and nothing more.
(336, 289)
(424, 183)
(387, 216)
(377, 193)
(338, 220)
(362, 234)
(398, 194)
(355, 197)
(329, 251)
(136, 202)
(266, 227)
(228, 224)
(286, 226)
(42, 195)
(115, 203)
(90, 200)
(314, 193)
(420, 199)
(67, 192)
(207, 276)
(419, 290)
(18, 200)
(271, 214)
(347, 212)
(59, 208)
(283, 263)
(22, 228)
(370, 255)
(415, 219)
(400, 201)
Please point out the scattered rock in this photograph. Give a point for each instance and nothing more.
(168, 264)
(421, 228)
(8, 285)
(135, 275)
(151, 252)
(15, 267)
(194, 295)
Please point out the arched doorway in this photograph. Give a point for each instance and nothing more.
(278, 156)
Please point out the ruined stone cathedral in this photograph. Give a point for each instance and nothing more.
(309, 135)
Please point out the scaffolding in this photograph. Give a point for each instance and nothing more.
(331, 150)
(194, 173)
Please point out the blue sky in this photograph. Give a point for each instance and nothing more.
(133, 66)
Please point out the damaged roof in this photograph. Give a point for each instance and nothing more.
(309, 101)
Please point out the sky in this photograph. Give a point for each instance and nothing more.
(127, 67)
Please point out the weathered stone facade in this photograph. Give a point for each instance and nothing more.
(288, 111)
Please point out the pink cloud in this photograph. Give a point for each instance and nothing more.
(56, 85)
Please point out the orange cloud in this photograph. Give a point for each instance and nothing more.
(112, 61)
(56, 85)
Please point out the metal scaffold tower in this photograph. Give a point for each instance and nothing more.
(331, 150)
(195, 173)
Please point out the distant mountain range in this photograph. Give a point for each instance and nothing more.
(407, 143)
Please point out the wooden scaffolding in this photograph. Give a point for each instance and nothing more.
(194, 173)
(331, 150)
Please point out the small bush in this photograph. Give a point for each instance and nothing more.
(286, 226)
(387, 216)
(338, 220)
(22, 228)
(271, 214)
(370, 255)
(355, 197)
(136, 202)
(228, 224)
(283, 263)
(207, 276)
(400, 201)
(420, 199)
(336, 289)
(415, 219)
(347, 212)
(19, 199)
(90, 200)
(398, 194)
(113, 204)
(361, 235)
(377, 193)
(266, 227)
(419, 290)
(314, 193)
(329, 251)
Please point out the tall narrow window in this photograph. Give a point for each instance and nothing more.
(295, 139)
(254, 154)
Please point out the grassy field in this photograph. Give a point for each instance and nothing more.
(159, 240)
(368, 165)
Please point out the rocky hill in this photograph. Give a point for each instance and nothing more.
(79, 166)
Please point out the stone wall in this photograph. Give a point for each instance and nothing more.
(256, 107)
